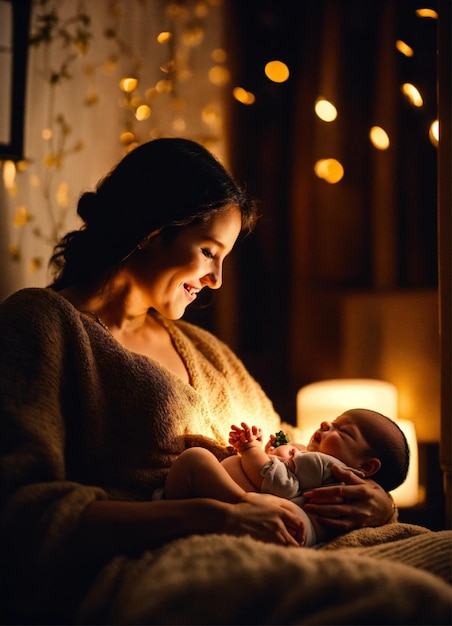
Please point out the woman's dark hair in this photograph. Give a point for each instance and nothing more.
(162, 184)
(387, 444)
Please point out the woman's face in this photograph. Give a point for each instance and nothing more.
(171, 274)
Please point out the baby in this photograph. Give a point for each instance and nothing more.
(366, 442)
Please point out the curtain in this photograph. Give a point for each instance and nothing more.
(374, 231)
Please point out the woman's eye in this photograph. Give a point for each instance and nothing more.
(207, 253)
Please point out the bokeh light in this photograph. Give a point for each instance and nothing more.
(331, 170)
(379, 138)
(277, 71)
(325, 110)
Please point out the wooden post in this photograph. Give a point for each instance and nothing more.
(445, 242)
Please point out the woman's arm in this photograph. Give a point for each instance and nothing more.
(355, 503)
(113, 527)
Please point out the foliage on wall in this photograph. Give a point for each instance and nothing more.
(157, 88)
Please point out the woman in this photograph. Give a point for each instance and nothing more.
(102, 388)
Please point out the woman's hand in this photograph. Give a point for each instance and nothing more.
(268, 518)
(357, 503)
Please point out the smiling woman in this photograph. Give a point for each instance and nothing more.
(114, 386)
(148, 244)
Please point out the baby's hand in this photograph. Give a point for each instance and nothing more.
(241, 436)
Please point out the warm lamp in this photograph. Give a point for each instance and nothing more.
(408, 492)
(325, 400)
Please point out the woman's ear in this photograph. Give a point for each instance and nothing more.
(370, 465)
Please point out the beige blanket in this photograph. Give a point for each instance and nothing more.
(399, 574)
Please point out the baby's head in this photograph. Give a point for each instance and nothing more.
(368, 441)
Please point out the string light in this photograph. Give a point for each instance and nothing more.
(164, 37)
(379, 138)
(243, 96)
(331, 170)
(128, 84)
(325, 110)
(9, 174)
(276, 71)
(427, 13)
(413, 94)
(404, 48)
(219, 75)
(433, 133)
(143, 112)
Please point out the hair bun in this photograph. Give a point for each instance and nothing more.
(87, 207)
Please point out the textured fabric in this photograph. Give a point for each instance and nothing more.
(82, 418)
(236, 580)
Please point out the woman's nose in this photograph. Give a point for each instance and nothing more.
(213, 279)
(325, 425)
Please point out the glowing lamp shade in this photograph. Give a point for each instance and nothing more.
(408, 492)
(325, 400)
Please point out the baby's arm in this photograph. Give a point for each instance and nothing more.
(248, 443)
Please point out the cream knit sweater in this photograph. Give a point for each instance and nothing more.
(82, 418)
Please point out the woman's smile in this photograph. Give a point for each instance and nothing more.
(191, 292)
(171, 272)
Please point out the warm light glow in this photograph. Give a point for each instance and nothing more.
(211, 115)
(326, 400)
(413, 94)
(35, 181)
(164, 36)
(427, 13)
(407, 494)
(219, 75)
(243, 96)
(9, 174)
(151, 93)
(127, 137)
(143, 112)
(433, 133)
(330, 170)
(168, 67)
(35, 264)
(179, 125)
(164, 86)
(21, 217)
(379, 138)
(325, 110)
(110, 65)
(277, 71)
(47, 134)
(128, 84)
(192, 35)
(61, 195)
(219, 55)
(404, 48)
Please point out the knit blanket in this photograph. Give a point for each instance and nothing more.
(398, 574)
